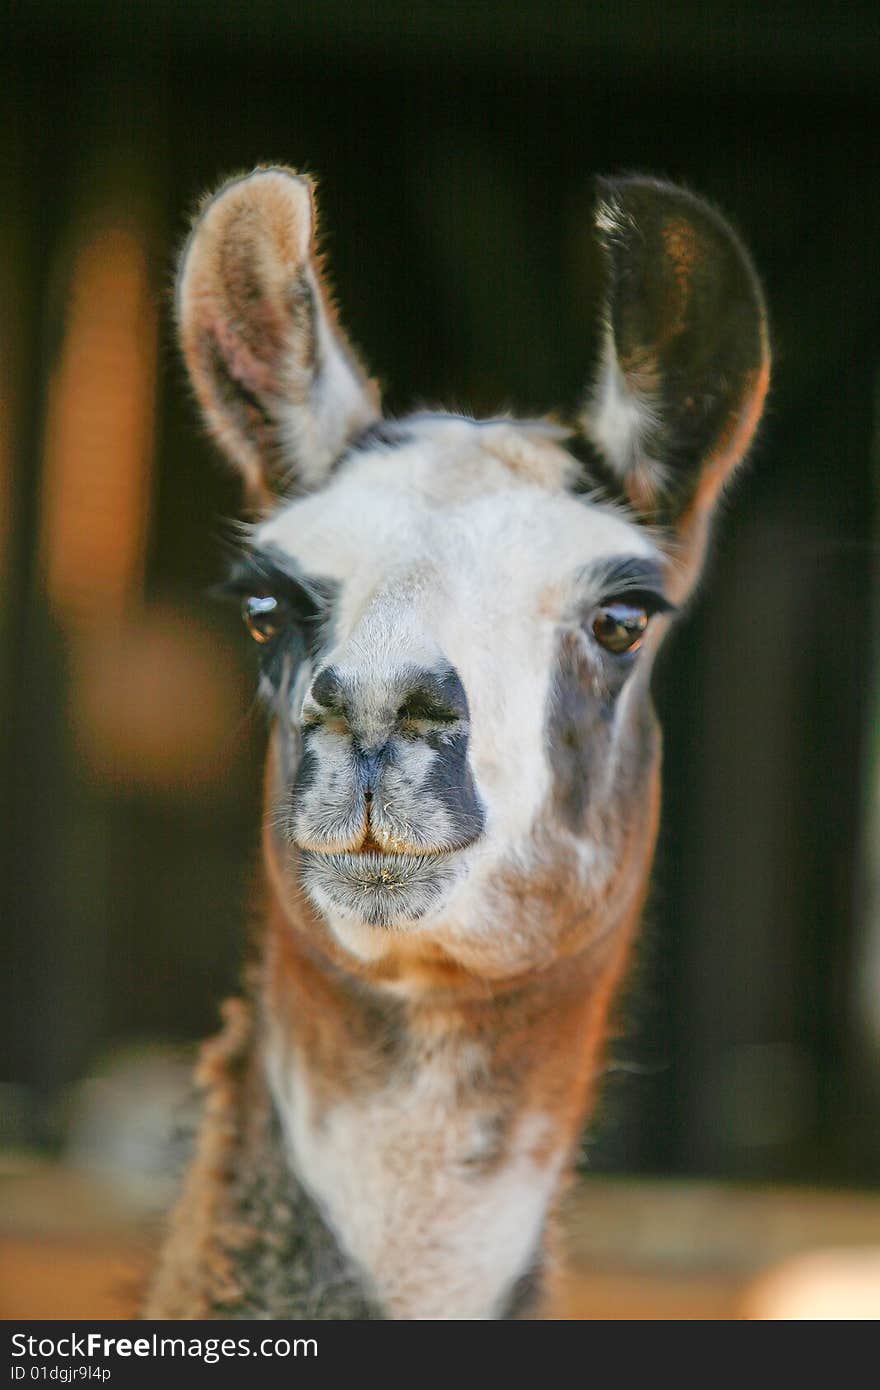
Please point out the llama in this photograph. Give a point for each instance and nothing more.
(456, 621)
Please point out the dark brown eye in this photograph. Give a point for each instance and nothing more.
(619, 627)
(264, 617)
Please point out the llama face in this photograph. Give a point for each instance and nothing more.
(454, 580)
(456, 627)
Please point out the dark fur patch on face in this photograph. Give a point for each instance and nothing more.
(451, 782)
(306, 612)
(306, 772)
(436, 708)
(581, 729)
(588, 681)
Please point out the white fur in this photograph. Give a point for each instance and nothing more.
(326, 407)
(392, 1174)
(620, 419)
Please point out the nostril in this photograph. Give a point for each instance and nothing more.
(327, 691)
(326, 703)
(433, 698)
(418, 709)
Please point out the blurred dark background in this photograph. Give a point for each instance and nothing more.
(454, 145)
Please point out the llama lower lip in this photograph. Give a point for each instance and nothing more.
(380, 889)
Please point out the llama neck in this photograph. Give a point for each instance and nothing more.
(432, 1132)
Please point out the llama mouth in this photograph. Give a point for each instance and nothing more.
(382, 890)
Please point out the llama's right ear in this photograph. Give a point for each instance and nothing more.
(278, 383)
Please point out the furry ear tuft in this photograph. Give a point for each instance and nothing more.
(279, 385)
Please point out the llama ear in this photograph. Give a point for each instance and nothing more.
(685, 361)
(279, 386)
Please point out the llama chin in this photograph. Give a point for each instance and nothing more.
(382, 890)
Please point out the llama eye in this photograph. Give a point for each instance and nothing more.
(619, 627)
(264, 617)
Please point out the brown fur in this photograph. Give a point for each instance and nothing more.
(246, 1241)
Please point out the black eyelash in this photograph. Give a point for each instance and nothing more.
(307, 603)
(305, 598)
(649, 599)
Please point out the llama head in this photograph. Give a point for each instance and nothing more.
(456, 619)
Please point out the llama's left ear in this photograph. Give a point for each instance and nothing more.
(278, 383)
(685, 362)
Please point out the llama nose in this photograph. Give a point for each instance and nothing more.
(415, 702)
